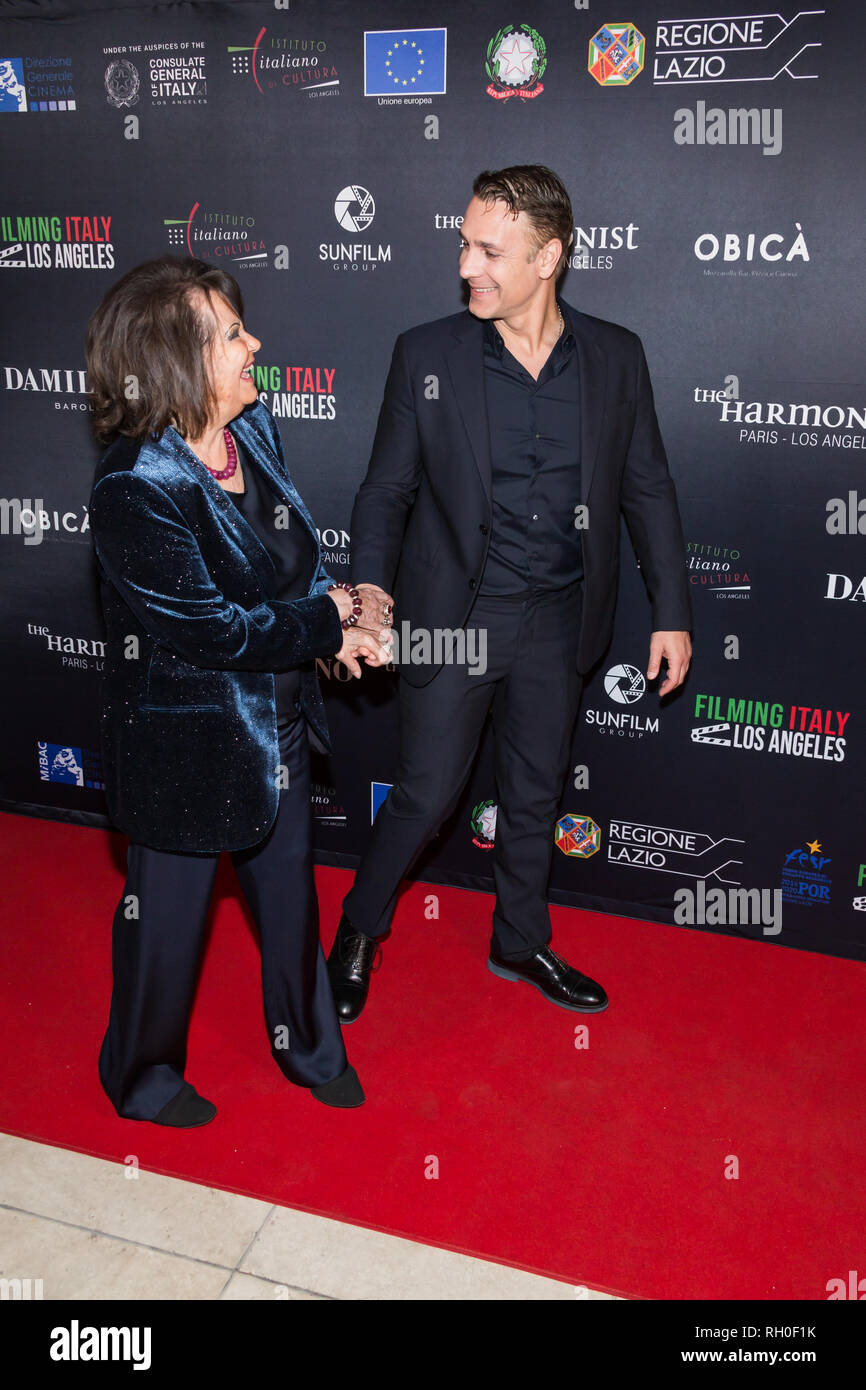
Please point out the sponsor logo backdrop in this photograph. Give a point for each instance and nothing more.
(325, 152)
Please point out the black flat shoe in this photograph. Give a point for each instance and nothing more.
(353, 956)
(344, 1091)
(560, 982)
(186, 1110)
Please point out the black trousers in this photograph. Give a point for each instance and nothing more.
(532, 688)
(156, 953)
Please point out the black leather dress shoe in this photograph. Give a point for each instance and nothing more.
(562, 984)
(353, 956)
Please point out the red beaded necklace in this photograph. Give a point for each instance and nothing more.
(231, 455)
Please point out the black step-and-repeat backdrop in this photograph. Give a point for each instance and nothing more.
(324, 151)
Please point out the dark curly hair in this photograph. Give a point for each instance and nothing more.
(145, 349)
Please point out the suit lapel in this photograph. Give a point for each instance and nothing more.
(465, 359)
(174, 444)
(592, 366)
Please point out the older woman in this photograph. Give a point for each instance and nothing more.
(216, 606)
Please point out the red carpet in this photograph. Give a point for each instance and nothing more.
(603, 1166)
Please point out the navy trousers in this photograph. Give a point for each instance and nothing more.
(531, 688)
(156, 953)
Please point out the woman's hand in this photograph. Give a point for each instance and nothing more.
(373, 644)
(343, 602)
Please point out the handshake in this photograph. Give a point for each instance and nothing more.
(371, 637)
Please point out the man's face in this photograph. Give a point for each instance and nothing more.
(498, 260)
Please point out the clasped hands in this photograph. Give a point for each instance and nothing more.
(371, 637)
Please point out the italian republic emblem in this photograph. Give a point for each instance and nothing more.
(121, 83)
(578, 836)
(483, 824)
(616, 54)
(516, 59)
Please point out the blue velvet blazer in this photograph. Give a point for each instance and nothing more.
(188, 717)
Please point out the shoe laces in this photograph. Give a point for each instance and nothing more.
(351, 944)
(573, 975)
(549, 951)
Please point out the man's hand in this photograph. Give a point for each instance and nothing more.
(676, 648)
(378, 607)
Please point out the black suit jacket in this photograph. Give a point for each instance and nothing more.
(422, 517)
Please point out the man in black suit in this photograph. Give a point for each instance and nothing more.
(510, 438)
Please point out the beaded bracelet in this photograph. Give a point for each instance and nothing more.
(356, 602)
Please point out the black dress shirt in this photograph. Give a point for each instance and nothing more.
(535, 458)
(293, 554)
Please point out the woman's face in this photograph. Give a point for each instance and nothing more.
(232, 350)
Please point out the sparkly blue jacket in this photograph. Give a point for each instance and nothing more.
(194, 635)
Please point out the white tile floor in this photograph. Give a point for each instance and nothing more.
(89, 1230)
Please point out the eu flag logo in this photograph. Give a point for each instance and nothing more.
(404, 62)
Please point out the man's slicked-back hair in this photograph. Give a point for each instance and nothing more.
(146, 348)
(537, 191)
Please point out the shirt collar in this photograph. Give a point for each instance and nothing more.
(494, 338)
